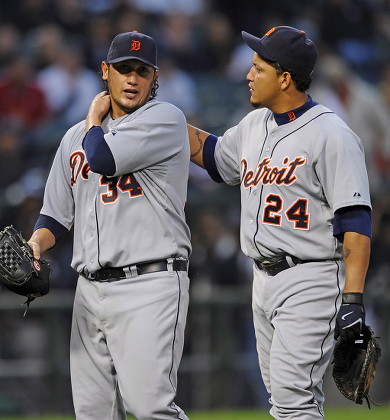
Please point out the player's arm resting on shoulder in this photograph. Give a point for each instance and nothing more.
(47, 232)
(98, 109)
(353, 228)
(99, 155)
(202, 145)
(198, 138)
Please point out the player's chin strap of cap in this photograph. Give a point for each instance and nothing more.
(274, 266)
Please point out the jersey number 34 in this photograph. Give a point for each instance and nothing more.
(126, 184)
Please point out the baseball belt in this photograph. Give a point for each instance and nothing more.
(116, 273)
(274, 266)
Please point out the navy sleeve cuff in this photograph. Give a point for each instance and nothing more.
(55, 227)
(99, 155)
(208, 158)
(352, 219)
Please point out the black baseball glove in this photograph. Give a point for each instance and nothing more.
(20, 272)
(356, 352)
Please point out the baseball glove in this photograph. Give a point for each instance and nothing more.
(20, 272)
(355, 365)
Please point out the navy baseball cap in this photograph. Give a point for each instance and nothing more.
(133, 45)
(288, 46)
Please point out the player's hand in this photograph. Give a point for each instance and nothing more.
(35, 248)
(350, 321)
(41, 240)
(99, 107)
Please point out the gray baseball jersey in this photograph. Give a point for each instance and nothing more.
(138, 214)
(293, 178)
(127, 335)
(318, 155)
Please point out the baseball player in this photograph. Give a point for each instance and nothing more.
(119, 178)
(305, 219)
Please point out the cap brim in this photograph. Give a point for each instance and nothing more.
(256, 45)
(131, 57)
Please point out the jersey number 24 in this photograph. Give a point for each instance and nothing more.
(297, 213)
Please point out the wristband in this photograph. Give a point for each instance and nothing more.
(353, 298)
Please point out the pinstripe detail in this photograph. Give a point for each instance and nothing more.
(97, 234)
(261, 192)
(173, 405)
(329, 330)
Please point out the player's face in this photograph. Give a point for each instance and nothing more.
(129, 83)
(264, 84)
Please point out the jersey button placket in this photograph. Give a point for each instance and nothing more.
(91, 222)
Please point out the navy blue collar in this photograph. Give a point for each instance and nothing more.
(292, 115)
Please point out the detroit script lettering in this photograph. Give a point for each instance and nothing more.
(271, 174)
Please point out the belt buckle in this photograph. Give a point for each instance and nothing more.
(267, 263)
(101, 279)
(273, 267)
(91, 276)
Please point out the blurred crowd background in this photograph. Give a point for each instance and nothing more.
(50, 55)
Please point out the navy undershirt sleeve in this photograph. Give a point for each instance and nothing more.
(352, 219)
(208, 158)
(55, 227)
(99, 155)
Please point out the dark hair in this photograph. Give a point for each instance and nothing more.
(301, 83)
(153, 92)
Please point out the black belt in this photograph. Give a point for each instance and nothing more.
(275, 266)
(114, 273)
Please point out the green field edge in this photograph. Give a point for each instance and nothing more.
(333, 413)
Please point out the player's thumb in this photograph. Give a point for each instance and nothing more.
(35, 248)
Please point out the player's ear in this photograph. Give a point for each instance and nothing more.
(104, 69)
(286, 80)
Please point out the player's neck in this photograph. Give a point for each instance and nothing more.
(290, 102)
